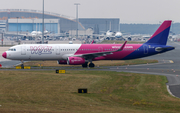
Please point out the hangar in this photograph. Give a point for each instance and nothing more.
(26, 20)
(29, 20)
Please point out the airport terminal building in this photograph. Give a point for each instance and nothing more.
(101, 25)
(25, 20)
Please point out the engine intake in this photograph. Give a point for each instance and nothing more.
(75, 61)
(62, 61)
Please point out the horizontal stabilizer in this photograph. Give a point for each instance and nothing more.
(163, 48)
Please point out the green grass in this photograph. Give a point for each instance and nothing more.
(46, 91)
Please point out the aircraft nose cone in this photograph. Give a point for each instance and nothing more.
(4, 54)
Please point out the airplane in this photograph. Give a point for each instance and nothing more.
(38, 33)
(110, 34)
(118, 35)
(35, 33)
(82, 54)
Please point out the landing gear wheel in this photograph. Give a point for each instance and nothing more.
(85, 65)
(22, 65)
(91, 65)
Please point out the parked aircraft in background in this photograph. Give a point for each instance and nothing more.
(38, 33)
(82, 54)
(110, 34)
(118, 34)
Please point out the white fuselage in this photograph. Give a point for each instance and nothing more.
(118, 34)
(42, 51)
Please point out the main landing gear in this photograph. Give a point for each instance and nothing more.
(85, 65)
(91, 65)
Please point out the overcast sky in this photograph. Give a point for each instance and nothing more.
(129, 11)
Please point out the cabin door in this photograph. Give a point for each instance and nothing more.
(23, 50)
(145, 49)
(100, 49)
(57, 50)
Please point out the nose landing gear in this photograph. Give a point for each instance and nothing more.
(22, 65)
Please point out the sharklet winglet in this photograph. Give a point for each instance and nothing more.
(122, 47)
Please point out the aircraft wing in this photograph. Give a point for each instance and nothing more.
(98, 54)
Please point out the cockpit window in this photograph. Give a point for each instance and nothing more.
(12, 49)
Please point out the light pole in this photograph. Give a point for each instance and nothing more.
(173, 33)
(43, 25)
(2, 40)
(106, 25)
(33, 25)
(36, 30)
(53, 28)
(17, 28)
(50, 26)
(77, 20)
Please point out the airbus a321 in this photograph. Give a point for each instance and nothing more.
(82, 54)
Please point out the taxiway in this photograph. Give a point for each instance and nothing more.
(169, 66)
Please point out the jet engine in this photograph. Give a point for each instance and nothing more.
(62, 61)
(75, 61)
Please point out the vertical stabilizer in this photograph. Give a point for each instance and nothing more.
(161, 35)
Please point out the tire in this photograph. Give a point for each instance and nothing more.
(22, 66)
(91, 65)
(85, 65)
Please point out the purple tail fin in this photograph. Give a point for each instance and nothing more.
(161, 35)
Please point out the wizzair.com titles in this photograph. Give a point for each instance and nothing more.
(126, 47)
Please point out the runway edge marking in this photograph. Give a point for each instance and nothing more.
(170, 91)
